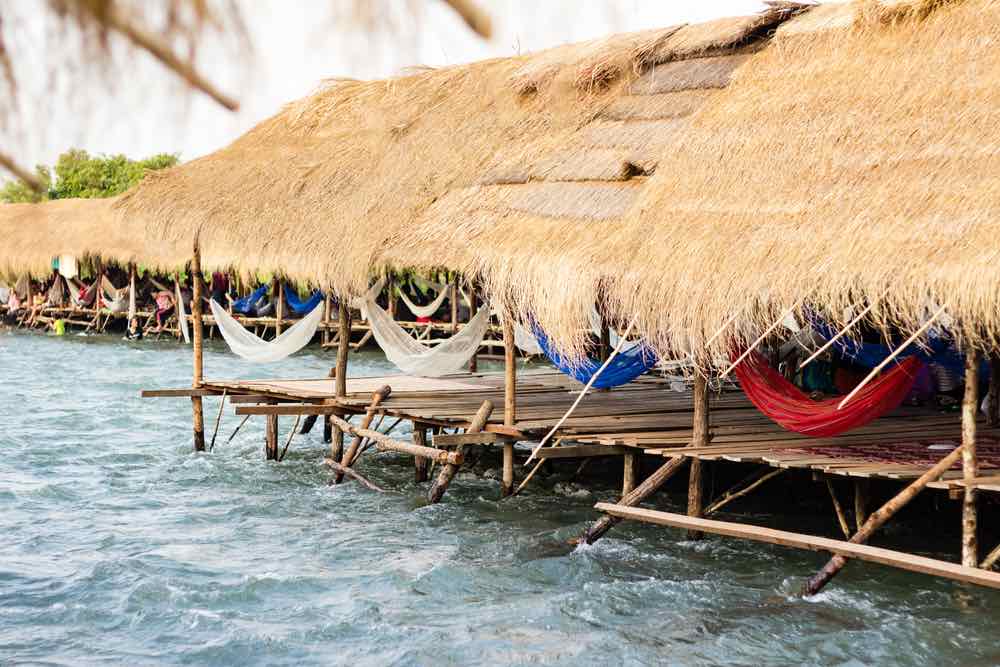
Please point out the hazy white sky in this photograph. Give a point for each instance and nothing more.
(298, 43)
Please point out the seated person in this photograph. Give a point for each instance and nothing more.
(164, 305)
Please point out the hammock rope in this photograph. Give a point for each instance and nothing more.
(253, 348)
(629, 364)
(792, 409)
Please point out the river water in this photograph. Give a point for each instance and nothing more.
(120, 545)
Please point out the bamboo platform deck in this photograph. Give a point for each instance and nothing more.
(646, 416)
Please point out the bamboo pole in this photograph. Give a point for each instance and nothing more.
(841, 333)
(353, 474)
(352, 450)
(816, 583)
(279, 309)
(993, 413)
(861, 489)
(218, 420)
(448, 472)
(327, 310)
(970, 464)
(845, 528)
(699, 438)
(875, 371)
(629, 464)
(774, 325)
(340, 376)
(991, 559)
(473, 361)
(509, 401)
(385, 443)
(454, 306)
(197, 347)
(733, 494)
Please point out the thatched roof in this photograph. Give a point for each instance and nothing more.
(684, 174)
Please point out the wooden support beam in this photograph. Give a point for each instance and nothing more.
(271, 438)
(845, 528)
(862, 489)
(582, 451)
(177, 393)
(286, 409)
(340, 373)
(842, 549)
(448, 472)
(420, 464)
(197, 348)
(454, 305)
(816, 583)
(352, 449)
(385, 443)
(699, 438)
(473, 363)
(638, 494)
(970, 463)
(327, 311)
(341, 469)
(279, 309)
(742, 489)
(509, 401)
(630, 461)
(993, 412)
(479, 438)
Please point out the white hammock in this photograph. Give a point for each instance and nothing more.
(253, 348)
(361, 302)
(413, 357)
(115, 300)
(182, 317)
(429, 309)
(523, 338)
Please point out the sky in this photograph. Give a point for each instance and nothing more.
(296, 44)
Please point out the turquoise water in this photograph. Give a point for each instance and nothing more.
(121, 546)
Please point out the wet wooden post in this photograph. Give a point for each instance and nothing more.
(420, 464)
(473, 362)
(699, 438)
(271, 438)
(509, 400)
(327, 310)
(390, 295)
(454, 306)
(629, 464)
(449, 471)
(816, 583)
(340, 378)
(993, 413)
(279, 309)
(196, 348)
(970, 464)
(862, 489)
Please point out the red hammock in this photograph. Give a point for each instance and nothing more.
(792, 409)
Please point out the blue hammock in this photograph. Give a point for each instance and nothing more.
(625, 367)
(941, 351)
(248, 304)
(298, 306)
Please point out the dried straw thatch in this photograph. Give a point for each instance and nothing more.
(684, 175)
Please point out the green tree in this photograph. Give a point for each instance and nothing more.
(80, 174)
(16, 192)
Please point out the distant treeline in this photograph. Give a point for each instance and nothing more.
(78, 174)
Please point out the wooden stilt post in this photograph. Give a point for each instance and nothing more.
(352, 450)
(473, 362)
(279, 309)
(629, 461)
(509, 401)
(420, 464)
(448, 472)
(699, 438)
(340, 377)
(970, 464)
(390, 296)
(454, 306)
(271, 438)
(327, 310)
(816, 583)
(862, 488)
(638, 494)
(196, 347)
